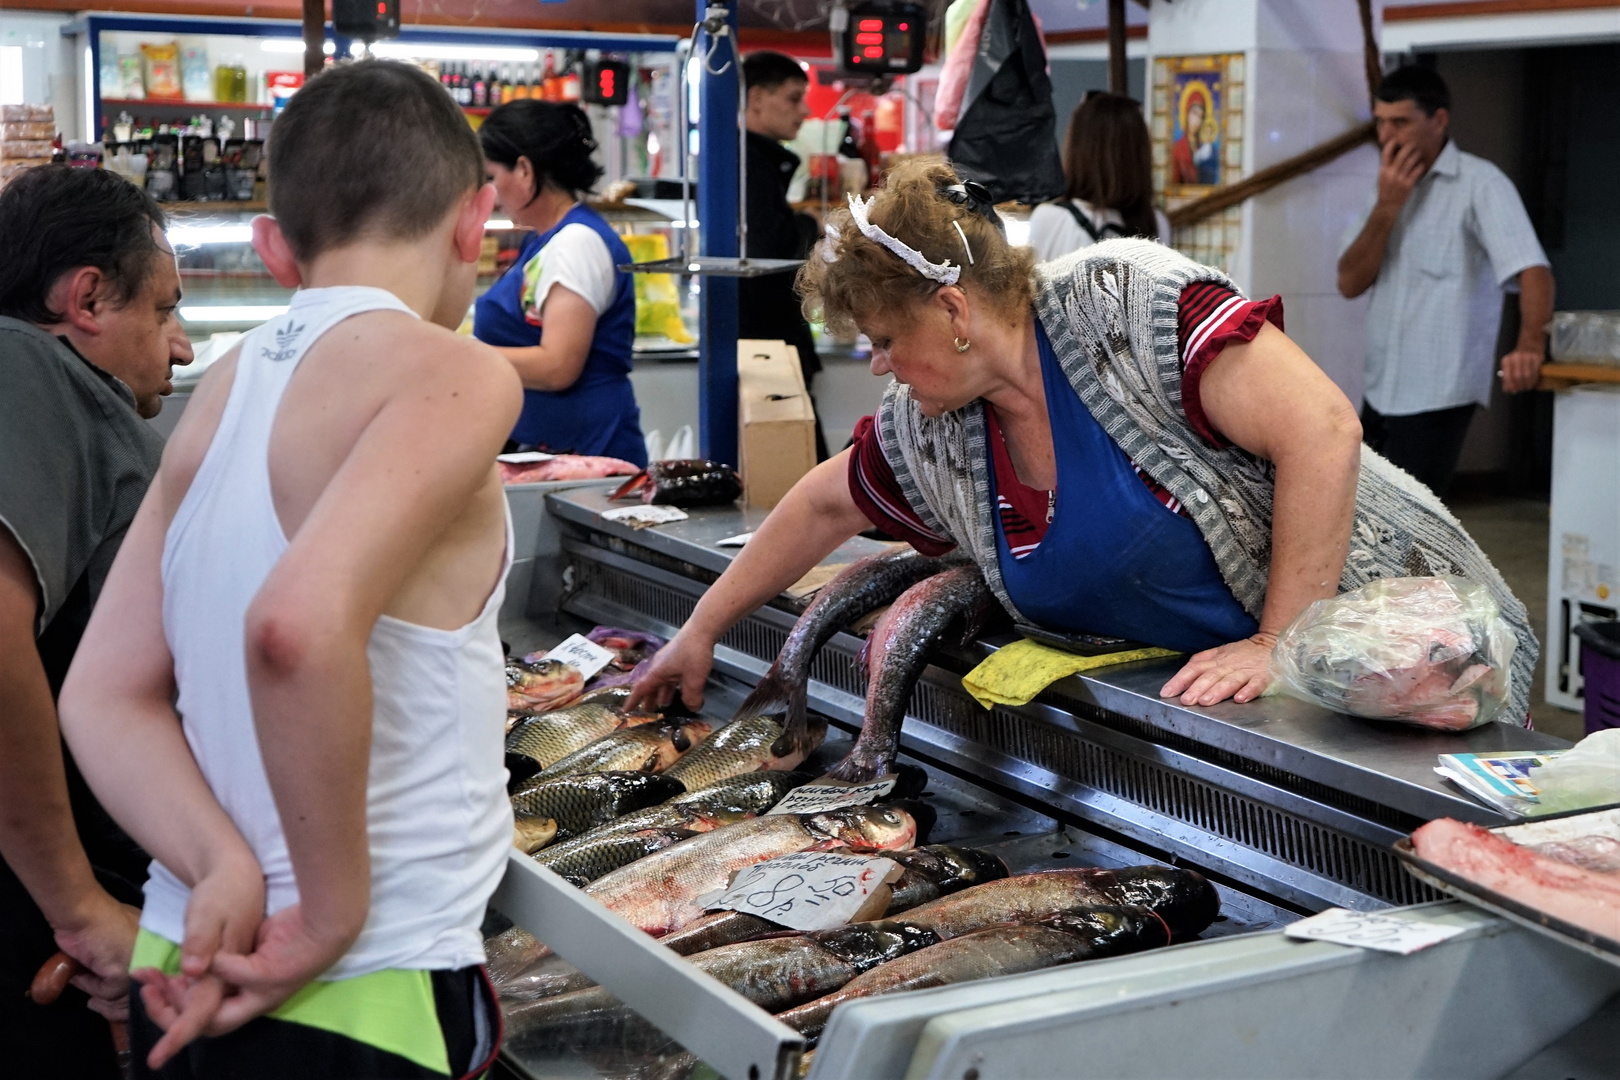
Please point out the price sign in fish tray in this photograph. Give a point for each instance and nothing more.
(1366, 930)
(583, 653)
(819, 798)
(812, 890)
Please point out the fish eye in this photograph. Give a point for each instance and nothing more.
(682, 743)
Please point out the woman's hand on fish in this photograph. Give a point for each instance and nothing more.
(224, 913)
(1240, 671)
(683, 665)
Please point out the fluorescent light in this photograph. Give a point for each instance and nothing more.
(226, 313)
(293, 45)
(403, 50)
(197, 235)
(497, 223)
(1017, 231)
(11, 75)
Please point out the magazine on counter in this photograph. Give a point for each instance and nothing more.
(1502, 780)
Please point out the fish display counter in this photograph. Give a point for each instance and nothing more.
(1214, 828)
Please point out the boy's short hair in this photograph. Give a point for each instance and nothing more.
(768, 70)
(55, 219)
(374, 147)
(1420, 85)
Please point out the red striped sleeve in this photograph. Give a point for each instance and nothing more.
(1209, 318)
(876, 490)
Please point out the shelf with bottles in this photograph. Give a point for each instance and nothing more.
(478, 86)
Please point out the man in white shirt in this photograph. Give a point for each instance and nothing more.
(1445, 234)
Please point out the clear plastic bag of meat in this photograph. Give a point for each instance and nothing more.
(1431, 651)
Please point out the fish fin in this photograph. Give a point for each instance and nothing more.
(630, 486)
(797, 739)
(769, 696)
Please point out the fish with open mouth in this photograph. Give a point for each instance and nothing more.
(584, 801)
(650, 747)
(683, 482)
(659, 893)
(986, 953)
(896, 654)
(744, 746)
(541, 685)
(861, 587)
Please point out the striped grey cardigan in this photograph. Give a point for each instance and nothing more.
(1110, 313)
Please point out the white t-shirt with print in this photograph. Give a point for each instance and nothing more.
(576, 258)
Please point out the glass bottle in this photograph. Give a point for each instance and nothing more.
(480, 88)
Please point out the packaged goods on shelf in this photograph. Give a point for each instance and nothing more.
(11, 130)
(28, 114)
(161, 70)
(25, 149)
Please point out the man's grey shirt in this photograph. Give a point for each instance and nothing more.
(1437, 302)
(77, 460)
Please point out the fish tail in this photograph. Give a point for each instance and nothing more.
(772, 694)
(796, 738)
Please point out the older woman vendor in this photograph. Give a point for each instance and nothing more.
(1123, 443)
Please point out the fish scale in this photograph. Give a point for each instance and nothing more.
(742, 746)
(651, 747)
(546, 738)
(658, 893)
(585, 801)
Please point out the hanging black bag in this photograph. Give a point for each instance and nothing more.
(1005, 135)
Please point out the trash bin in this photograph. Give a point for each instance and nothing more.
(1600, 666)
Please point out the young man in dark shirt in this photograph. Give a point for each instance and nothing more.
(88, 336)
(768, 307)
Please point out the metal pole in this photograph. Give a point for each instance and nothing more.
(717, 193)
(1118, 83)
(314, 37)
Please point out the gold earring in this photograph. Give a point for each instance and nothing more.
(962, 346)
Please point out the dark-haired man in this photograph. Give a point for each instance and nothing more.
(291, 690)
(1444, 235)
(768, 307)
(88, 334)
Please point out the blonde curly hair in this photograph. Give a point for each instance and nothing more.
(862, 276)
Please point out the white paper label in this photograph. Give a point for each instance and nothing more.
(735, 541)
(1367, 930)
(808, 891)
(645, 514)
(583, 653)
(527, 457)
(819, 798)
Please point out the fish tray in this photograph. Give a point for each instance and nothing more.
(1587, 941)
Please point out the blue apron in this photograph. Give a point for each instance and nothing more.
(598, 414)
(1115, 560)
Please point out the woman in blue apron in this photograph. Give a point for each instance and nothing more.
(1123, 444)
(564, 314)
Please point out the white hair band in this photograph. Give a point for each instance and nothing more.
(942, 272)
(965, 246)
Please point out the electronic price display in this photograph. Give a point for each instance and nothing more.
(879, 38)
(368, 20)
(607, 82)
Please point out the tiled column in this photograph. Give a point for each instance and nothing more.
(1303, 83)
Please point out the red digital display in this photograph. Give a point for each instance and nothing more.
(881, 37)
(875, 52)
(868, 39)
(871, 24)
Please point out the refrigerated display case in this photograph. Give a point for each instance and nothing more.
(1287, 808)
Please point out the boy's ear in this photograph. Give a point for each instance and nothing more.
(272, 246)
(468, 237)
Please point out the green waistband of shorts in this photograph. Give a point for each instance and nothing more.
(392, 1010)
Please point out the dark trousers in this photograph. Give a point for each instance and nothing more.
(1425, 444)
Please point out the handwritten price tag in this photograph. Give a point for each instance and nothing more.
(583, 653)
(1366, 930)
(640, 517)
(809, 891)
(819, 798)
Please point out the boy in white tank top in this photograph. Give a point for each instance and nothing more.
(291, 692)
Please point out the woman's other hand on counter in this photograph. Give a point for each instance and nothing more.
(1240, 671)
(683, 665)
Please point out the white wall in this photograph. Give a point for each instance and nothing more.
(1305, 84)
(50, 73)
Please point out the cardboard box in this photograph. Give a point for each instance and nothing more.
(776, 423)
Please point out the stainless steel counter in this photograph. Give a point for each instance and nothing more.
(1279, 795)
